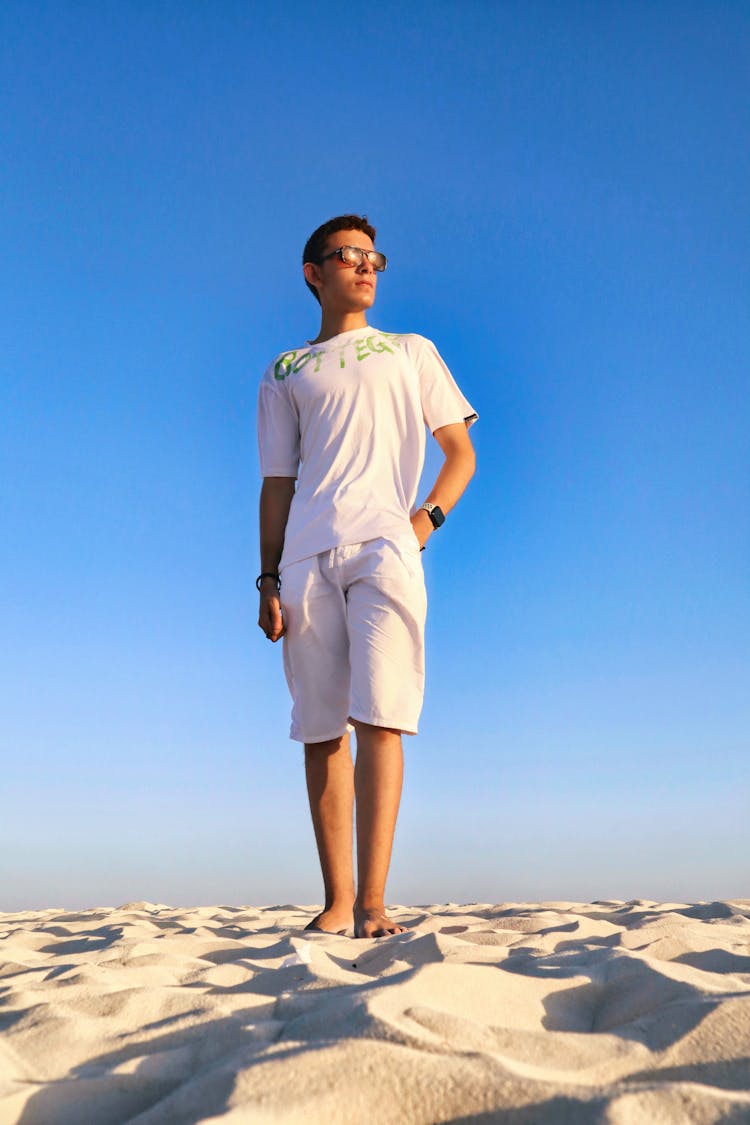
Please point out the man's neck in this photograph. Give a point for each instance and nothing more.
(334, 323)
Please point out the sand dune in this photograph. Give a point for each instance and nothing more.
(560, 1013)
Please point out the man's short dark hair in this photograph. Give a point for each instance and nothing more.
(316, 243)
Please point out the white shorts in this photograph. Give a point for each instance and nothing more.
(354, 641)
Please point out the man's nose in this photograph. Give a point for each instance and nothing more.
(366, 265)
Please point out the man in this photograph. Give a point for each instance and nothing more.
(341, 575)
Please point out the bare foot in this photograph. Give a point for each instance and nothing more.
(375, 923)
(333, 921)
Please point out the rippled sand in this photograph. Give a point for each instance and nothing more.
(561, 1013)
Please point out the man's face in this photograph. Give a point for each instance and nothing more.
(343, 287)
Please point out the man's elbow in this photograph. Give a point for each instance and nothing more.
(471, 461)
(467, 458)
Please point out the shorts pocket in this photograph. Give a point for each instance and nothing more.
(408, 550)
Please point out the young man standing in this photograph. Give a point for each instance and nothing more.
(341, 578)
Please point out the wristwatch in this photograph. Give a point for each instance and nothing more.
(435, 513)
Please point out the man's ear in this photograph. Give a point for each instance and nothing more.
(313, 274)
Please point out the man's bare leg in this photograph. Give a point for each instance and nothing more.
(329, 771)
(378, 778)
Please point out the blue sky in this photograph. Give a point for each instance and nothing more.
(562, 192)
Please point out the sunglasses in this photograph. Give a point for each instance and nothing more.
(354, 256)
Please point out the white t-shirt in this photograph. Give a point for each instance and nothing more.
(347, 418)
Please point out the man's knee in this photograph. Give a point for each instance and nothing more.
(329, 746)
(371, 730)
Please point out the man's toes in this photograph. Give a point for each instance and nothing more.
(387, 930)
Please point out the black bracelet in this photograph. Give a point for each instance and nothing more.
(267, 574)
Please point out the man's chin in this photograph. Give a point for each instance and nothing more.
(354, 302)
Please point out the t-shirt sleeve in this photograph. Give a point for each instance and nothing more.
(442, 400)
(278, 429)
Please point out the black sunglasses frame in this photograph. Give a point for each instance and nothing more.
(338, 252)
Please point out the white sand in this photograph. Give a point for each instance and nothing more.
(561, 1013)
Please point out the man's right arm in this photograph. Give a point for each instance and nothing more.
(275, 501)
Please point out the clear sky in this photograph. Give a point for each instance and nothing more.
(562, 190)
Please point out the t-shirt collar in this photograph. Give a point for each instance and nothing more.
(335, 341)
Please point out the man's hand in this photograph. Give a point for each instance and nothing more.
(422, 526)
(269, 617)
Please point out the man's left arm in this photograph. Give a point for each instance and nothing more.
(456, 472)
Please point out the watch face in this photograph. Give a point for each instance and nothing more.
(437, 516)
